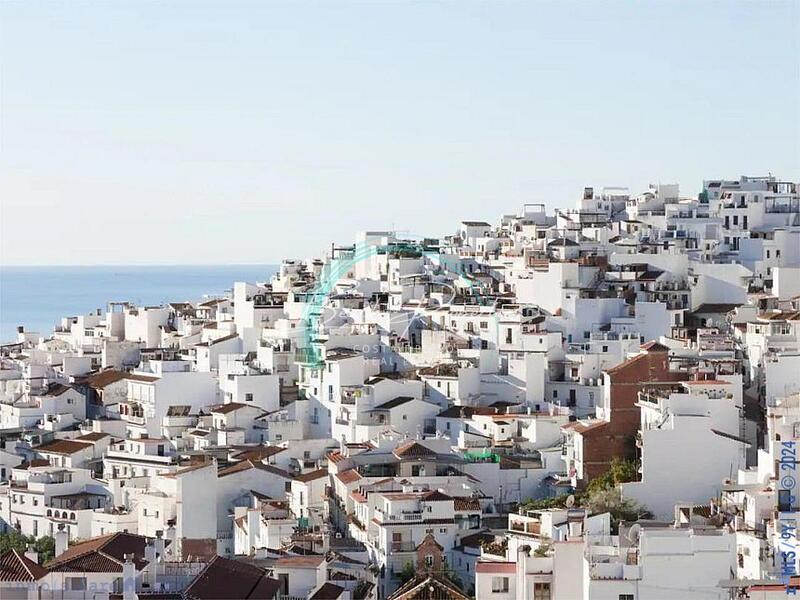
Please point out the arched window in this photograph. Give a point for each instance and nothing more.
(49, 513)
(72, 516)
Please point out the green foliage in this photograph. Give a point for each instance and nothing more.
(543, 549)
(451, 576)
(544, 503)
(621, 471)
(13, 540)
(603, 494)
(408, 572)
(611, 501)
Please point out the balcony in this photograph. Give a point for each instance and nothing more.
(402, 546)
(411, 516)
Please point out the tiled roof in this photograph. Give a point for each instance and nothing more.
(104, 554)
(300, 562)
(581, 427)
(15, 566)
(436, 496)
(224, 409)
(413, 449)
(318, 474)
(427, 586)
(719, 307)
(627, 363)
(394, 403)
(63, 447)
(258, 452)
(349, 476)
(100, 380)
(328, 591)
(455, 412)
(474, 540)
(496, 567)
(142, 378)
(465, 504)
(654, 346)
(56, 389)
(94, 436)
(36, 462)
(336, 456)
(227, 579)
(246, 465)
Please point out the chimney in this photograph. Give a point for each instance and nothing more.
(160, 545)
(522, 569)
(62, 540)
(151, 556)
(31, 554)
(129, 579)
(171, 538)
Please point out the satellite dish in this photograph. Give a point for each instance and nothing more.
(633, 533)
(570, 501)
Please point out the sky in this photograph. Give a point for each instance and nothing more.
(190, 132)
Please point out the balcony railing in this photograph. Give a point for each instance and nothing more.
(404, 546)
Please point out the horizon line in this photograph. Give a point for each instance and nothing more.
(79, 265)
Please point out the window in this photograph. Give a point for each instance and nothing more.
(76, 584)
(442, 529)
(541, 591)
(484, 325)
(405, 417)
(555, 393)
(248, 397)
(429, 560)
(625, 597)
(499, 585)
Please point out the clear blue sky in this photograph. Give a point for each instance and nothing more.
(230, 132)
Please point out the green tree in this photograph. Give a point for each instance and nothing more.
(610, 500)
(14, 540)
(544, 503)
(408, 572)
(621, 471)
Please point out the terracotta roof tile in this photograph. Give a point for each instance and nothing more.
(318, 474)
(227, 579)
(413, 449)
(63, 447)
(349, 476)
(15, 566)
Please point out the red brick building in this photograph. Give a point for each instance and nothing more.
(596, 443)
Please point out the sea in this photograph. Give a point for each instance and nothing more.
(38, 297)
